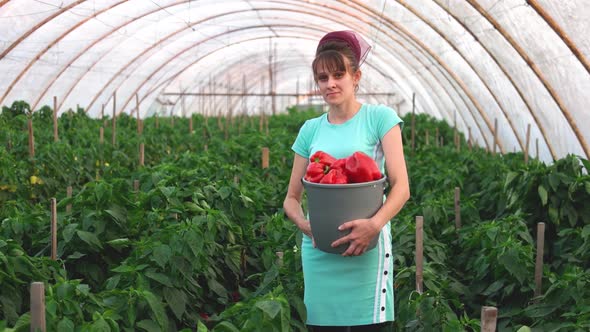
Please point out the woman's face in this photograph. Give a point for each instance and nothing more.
(337, 87)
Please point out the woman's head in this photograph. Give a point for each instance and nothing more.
(334, 56)
(337, 45)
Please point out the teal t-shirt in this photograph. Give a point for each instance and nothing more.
(363, 132)
(348, 291)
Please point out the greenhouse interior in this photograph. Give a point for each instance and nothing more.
(156, 157)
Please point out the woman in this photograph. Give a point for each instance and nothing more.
(352, 291)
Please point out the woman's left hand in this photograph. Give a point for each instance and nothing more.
(361, 234)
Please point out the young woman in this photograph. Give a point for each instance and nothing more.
(352, 291)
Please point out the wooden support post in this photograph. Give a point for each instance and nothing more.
(53, 229)
(436, 138)
(457, 137)
(470, 141)
(539, 260)
(190, 124)
(114, 140)
(419, 253)
(139, 124)
(413, 121)
(102, 112)
(457, 208)
(157, 121)
(141, 154)
(55, 130)
(38, 306)
(265, 157)
(136, 185)
(31, 138)
(280, 255)
(526, 146)
(427, 137)
(101, 135)
(495, 135)
(489, 315)
(171, 116)
(537, 148)
(69, 195)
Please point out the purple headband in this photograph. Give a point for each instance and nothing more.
(355, 41)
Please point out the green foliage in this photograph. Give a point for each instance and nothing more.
(195, 247)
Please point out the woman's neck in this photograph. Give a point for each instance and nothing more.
(341, 113)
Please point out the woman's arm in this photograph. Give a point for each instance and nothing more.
(292, 203)
(364, 230)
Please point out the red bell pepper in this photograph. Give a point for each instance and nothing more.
(315, 172)
(335, 176)
(322, 158)
(339, 164)
(361, 168)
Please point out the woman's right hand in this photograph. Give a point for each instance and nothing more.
(305, 227)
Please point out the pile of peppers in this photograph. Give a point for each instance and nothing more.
(356, 168)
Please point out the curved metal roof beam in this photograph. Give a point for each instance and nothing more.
(537, 72)
(88, 47)
(37, 26)
(475, 70)
(509, 77)
(560, 32)
(389, 22)
(50, 45)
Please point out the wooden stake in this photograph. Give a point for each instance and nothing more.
(419, 253)
(157, 122)
(141, 154)
(101, 135)
(427, 138)
(265, 157)
(537, 146)
(470, 141)
(190, 124)
(539, 260)
(139, 125)
(31, 138)
(436, 139)
(489, 315)
(114, 140)
(495, 134)
(38, 306)
(53, 229)
(69, 195)
(413, 121)
(526, 146)
(280, 255)
(457, 208)
(136, 185)
(102, 112)
(55, 130)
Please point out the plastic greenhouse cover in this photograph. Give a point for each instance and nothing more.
(474, 63)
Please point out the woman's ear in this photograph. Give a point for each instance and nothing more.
(357, 76)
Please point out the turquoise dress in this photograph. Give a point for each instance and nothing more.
(357, 290)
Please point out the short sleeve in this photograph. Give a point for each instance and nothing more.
(302, 142)
(385, 119)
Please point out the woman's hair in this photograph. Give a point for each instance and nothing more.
(330, 55)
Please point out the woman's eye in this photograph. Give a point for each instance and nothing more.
(338, 75)
(322, 78)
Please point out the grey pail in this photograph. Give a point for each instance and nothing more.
(331, 205)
